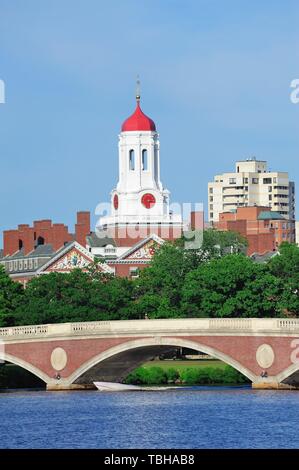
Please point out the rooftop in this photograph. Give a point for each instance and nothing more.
(99, 240)
(269, 215)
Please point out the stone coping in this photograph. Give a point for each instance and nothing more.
(156, 327)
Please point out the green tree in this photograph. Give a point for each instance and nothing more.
(159, 288)
(285, 266)
(76, 296)
(218, 243)
(231, 286)
(11, 296)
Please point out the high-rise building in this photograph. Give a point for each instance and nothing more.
(252, 184)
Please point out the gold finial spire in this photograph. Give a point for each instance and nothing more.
(138, 88)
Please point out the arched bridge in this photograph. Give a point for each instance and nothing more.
(71, 355)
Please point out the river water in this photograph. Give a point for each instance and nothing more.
(197, 417)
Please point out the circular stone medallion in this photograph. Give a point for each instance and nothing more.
(265, 356)
(58, 358)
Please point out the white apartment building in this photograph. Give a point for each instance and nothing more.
(251, 184)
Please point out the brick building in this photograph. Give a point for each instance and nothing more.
(264, 229)
(27, 250)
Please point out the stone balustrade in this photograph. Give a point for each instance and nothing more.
(156, 327)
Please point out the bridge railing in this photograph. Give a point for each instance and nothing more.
(155, 327)
(288, 324)
(35, 330)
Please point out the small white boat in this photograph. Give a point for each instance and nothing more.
(117, 387)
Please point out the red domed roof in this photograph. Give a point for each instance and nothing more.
(138, 121)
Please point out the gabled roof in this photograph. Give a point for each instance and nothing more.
(141, 244)
(72, 246)
(63, 251)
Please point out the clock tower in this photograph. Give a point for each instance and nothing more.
(139, 199)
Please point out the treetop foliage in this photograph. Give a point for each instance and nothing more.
(217, 280)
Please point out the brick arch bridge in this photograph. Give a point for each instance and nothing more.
(71, 355)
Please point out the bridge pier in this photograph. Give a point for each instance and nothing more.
(61, 387)
(272, 384)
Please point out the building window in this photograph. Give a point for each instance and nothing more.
(232, 180)
(40, 241)
(132, 160)
(270, 189)
(36, 263)
(211, 198)
(20, 265)
(211, 215)
(20, 244)
(144, 160)
(15, 265)
(10, 265)
(25, 264)
(134, 272)
(30, 264)
(211, 206)
(255, 181)
(245, 180)
(211, 190)
(109, 249)
(267, 180)
(270, 197)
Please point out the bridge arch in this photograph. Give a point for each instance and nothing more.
(25, 365)
(158, 342)
(286, 374)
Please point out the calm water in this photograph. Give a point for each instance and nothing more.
(202, 417)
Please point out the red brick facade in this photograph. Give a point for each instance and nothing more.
(44, 232)
(263, 235)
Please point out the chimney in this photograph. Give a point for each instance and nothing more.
(10, 242)
(82, 227)
(197, 220)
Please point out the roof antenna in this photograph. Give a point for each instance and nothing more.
(138, 89)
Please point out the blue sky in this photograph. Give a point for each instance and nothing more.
(215, 78)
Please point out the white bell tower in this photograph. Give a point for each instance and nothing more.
(139, 197)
